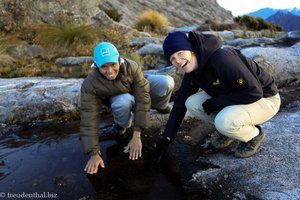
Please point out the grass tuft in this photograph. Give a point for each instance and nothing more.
(151, 20)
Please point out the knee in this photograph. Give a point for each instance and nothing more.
(170, 83)
(121, 104)
(224, 125)
(190, 104)
(167, 84)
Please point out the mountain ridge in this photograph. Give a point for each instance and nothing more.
(287, 21)
(268, 12)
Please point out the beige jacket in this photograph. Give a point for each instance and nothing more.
(95, 88)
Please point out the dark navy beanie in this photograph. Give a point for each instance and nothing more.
(176, 41)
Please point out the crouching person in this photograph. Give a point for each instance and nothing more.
(121, 83)
(236, 97)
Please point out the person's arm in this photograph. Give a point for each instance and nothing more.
(245, 87)
(90, 118)
(141, 92)
(175, 119)
(179, 110)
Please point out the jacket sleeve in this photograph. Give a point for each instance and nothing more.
(246, 88)
(179, 110)
(90, 118)
(141, 92)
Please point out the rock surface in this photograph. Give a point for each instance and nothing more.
(180, 13)
(26, 99)
(282, 63)
(273, 173)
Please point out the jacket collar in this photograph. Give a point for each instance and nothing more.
(205, 46)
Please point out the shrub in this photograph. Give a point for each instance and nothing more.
(256, 23)
(114, 14)
(6, 42)
(152, 20)
(65, 39)
(114, 35)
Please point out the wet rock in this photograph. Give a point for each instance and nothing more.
(2, 163)
(60, 181)
(239, 196)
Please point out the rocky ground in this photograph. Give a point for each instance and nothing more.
(271, 174)
(192, 170)
(206, 173)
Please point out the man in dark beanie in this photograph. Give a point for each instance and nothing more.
(236, 94)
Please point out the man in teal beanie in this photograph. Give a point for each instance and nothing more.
(121, 83)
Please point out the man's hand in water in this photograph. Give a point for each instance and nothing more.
(134, 147)
(93, 164)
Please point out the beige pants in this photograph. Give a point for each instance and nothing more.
(236, 121)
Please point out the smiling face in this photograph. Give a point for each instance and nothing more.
(185, 60)
(110, 70)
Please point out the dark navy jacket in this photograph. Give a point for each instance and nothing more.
(223, 75)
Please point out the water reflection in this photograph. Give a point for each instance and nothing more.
(50, 160)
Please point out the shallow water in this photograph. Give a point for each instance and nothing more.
(48, 162)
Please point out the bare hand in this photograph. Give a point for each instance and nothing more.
(134, 147)
(93, 164)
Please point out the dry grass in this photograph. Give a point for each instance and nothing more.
(151, 20)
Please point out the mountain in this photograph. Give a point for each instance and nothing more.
(288, 21)
(268, 12)
(19, 14)
(179, 12)
(263, 13)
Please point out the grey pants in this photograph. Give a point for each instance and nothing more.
(236, 121)
(161, 88)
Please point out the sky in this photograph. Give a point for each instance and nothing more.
(241, 7)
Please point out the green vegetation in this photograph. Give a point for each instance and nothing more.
(6, 42)
(66, 39)
(60, 40)
(256, 23)
(151, 20)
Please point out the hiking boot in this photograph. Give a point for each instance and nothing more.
(221, 141)
(165, 110)
(247, 149)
